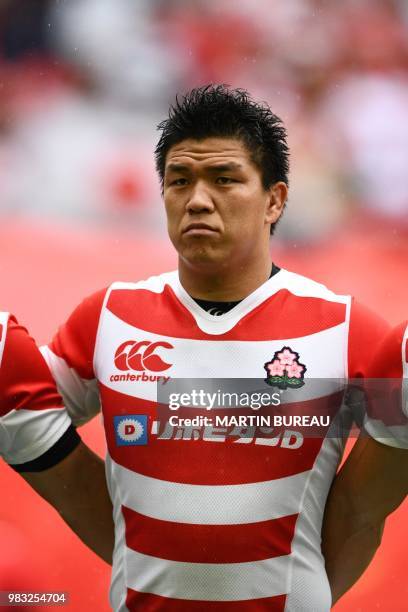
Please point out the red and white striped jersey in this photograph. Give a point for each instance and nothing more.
(387, 410)
(391, 357)
(216, 521)
(32, 417)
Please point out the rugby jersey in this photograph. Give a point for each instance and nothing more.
(206, 518)
(386, 417)
(33, 420)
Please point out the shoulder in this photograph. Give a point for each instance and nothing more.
(129, 300)
(76, 339)
(303, 286)
(358, 314)
(391, 356)
(364, 328)
(153, 284)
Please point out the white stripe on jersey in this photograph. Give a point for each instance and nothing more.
(390, 435)
(156, 284)
(229, 581)
(393, 435)
(323, 353)
(80, 396)
(307, 563)
(117, 590)
(22, 426)
(208, 504)
(4, 317)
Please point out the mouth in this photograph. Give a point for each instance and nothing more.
(199, 229)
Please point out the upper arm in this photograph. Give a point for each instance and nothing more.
(373, 480)
(76, 487)
(68, 482)
(378, 360)
(38, 440)
(387, 390)
(32, 416)
(70, 358)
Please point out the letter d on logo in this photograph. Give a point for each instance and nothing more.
(130, 429)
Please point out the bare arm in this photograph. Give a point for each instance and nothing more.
(76, 488)
(371, 485)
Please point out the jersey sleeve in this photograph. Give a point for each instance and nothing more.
(35, 429)
(367, 330)
(70, 358)
(387, 390)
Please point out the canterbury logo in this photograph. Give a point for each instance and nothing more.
(139, 356)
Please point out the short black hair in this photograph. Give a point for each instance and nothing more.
(219, 111)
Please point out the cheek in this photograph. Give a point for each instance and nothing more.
(172, 211)
(247, 214)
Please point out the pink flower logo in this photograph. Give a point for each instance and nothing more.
(295, 370)
(284, 370)
(286, 356)
(275, 368)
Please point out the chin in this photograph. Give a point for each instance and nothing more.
(201, 256)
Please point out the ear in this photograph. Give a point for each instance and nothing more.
(278, 194)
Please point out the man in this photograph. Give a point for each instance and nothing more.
(38, 440)
(217, 518)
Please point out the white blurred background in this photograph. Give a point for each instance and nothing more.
(84, 83)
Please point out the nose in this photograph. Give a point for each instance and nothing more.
(200, 200)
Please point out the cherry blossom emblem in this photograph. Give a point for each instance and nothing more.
(284, 370)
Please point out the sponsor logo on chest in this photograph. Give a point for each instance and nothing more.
(130, 429)
(138, 360)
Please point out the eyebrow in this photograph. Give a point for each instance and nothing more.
(226, 167)
(177, 168)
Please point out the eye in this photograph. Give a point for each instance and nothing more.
(225, 180)
(180, 182)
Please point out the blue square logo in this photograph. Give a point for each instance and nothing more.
(130, 429)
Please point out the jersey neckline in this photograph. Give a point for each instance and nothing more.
(222, 307)
(215, 324)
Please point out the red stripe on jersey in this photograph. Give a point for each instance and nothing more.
(148, 602)
(230, 462)
(192, 543)
(384, 386)
(387, 359)
(75, 340)
(25, 380)
(367, 331)
(163, 314)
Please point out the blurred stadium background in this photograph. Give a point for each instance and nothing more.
(83, 84)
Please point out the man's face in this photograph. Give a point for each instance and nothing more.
(217, 209)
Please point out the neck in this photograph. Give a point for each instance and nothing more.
(224, 284)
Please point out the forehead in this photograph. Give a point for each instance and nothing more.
(209, 151)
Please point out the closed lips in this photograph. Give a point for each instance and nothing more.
(199, 226)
